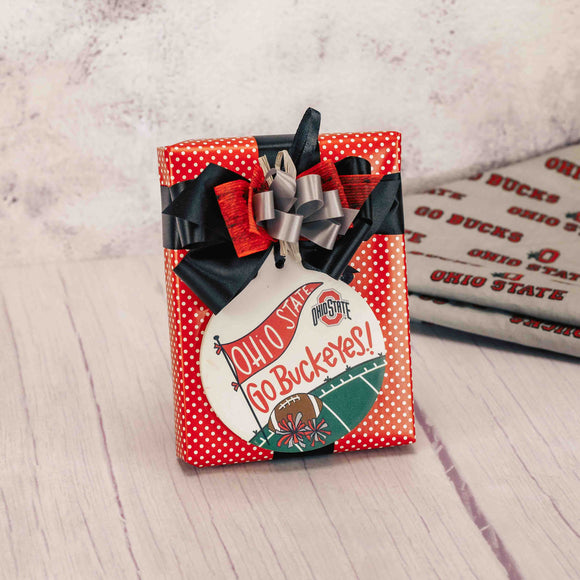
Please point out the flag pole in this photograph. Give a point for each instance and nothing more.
(237, 385)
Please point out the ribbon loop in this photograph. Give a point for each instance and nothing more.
(309, 194)
(263, 206)
(322, 233)
(295, 207)
(284, 188)
(285, 227)
(331, 208)
(283, 157)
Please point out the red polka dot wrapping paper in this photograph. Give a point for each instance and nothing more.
(202, 439)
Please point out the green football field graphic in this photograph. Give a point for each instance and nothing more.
(346, 398)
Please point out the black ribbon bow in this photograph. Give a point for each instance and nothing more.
(192, 220)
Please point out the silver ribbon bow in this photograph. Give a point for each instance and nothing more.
(292, 207)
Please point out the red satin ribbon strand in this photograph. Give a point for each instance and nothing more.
(357, 188)
(233, 200)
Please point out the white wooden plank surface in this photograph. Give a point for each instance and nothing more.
(91, 488)
(56, 482)
(510, 422)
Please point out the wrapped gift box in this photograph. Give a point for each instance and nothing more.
(363, 357)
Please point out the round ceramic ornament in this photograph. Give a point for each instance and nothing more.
(294, 362)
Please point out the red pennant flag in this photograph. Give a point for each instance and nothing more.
(268, 341)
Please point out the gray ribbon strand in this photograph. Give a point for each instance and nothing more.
(292, 207)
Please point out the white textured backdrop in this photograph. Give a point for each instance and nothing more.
(89, 89)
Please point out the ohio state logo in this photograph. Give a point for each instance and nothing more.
(545, 255)
(330, 309)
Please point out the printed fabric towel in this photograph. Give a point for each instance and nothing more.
(499, 254)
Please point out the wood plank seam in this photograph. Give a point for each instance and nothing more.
(101, 427)
(24, 398)
(535, 480)
(467, 497)
(518, 456)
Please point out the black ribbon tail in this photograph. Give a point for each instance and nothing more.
(353, 166)
(305, 151)
(386, 200)
(195, 205)
(217, 275)
(211, 268)
(389, 212)
(382, 213)
(348, 275)
(169, 223)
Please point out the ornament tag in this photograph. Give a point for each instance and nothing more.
(294, 362)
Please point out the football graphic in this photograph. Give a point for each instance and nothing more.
(307, 405)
